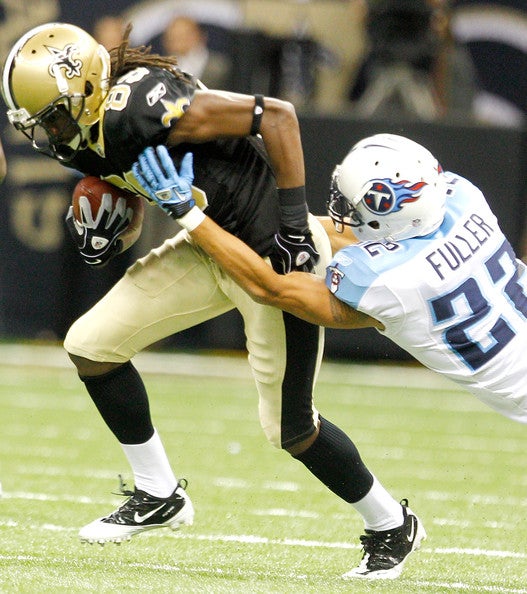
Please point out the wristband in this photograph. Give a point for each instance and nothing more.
(292, 196)
(192, 219)
(258, 110)
(293, 209)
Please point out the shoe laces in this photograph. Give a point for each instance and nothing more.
(124, 492)
(378, 542)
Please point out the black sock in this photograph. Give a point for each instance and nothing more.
(335, 461)
(121, 399)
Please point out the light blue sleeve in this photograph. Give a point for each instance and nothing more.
(349, 276)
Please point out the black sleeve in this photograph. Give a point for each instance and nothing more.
(145, 104)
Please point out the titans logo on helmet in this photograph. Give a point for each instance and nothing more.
(384, 195)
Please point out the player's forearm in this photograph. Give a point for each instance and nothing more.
(301, 294)
(242, 264)
(281, 134)
(253, 274)
(222, 114)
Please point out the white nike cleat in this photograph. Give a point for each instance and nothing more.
(139, 513)
(385, 552)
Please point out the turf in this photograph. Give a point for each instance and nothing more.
(263, 523)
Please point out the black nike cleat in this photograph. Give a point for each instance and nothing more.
(139, 513)
(385, 552)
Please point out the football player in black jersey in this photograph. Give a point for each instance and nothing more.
(96, 113)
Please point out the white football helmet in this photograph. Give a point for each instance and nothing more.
(388, 188)
(54, 80)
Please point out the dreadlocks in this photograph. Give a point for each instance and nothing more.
(124, 58)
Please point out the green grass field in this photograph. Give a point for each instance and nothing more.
(263, 524)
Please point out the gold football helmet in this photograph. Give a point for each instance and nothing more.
(55, 78)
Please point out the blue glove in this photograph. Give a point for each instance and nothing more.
(157, 174)
(294, 251)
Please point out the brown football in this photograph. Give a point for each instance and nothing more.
(93, 188)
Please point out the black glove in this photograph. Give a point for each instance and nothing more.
(294, 251)
(98, 240)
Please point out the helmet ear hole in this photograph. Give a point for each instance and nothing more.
(374, 224)
(88, 88)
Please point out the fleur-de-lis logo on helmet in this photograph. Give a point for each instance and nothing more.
(63, 61)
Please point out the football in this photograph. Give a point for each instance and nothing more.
(93, 189)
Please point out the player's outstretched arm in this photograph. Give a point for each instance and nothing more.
(299, 293)
(302, 294)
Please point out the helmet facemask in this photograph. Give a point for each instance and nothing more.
(340, 209)
(55, 130)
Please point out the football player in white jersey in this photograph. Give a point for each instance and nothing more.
(432, 271)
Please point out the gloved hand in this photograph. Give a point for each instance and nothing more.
(98, 239)
(294, 251)
(156, 172)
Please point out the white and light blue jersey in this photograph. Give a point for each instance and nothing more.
(455, 299)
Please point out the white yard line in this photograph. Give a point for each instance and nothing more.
(255, 540)
(285, 542)
(243, 538)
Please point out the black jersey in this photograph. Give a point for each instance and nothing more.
(234, 174)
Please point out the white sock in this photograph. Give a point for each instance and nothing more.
(379, 509)
(151, 468)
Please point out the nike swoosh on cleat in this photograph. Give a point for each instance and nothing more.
(411, 536)
(140, 519)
